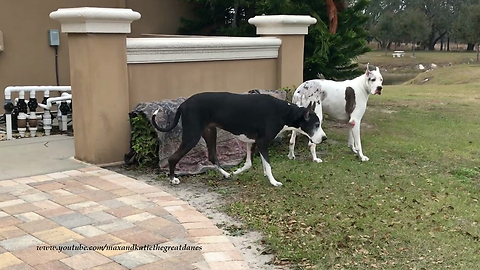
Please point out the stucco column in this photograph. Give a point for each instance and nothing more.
(291, 29)
(99, 80)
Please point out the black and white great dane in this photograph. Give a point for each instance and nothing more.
(253, 118)
(342, 100)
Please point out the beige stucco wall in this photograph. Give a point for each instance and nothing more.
(290, 57)
(28, 59)
(100, 91)
(153, 82)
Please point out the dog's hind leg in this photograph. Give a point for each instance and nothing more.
(248, 160)
(351, 141)
(291, 152)
(190, 138)
(210, 136)
(263, 149)
(358, 143)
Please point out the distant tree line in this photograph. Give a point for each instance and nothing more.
(338, 36)
(424, 23)
(345, 26)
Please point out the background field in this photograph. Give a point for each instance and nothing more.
(400, 69)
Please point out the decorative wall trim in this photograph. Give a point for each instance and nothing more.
(95, 20)
(165, 50)
(282, 24)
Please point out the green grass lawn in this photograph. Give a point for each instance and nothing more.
(414, 205)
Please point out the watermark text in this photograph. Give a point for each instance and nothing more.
(133, 247)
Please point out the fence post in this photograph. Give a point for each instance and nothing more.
(291, 29)
(99, 80)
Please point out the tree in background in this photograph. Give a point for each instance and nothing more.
(466, 26)
(411, 26)
(333, 7)
(384, 29)
(439, 15)
(329, 54)
(458, 8)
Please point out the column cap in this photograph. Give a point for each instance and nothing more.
(95, 20)
(282, 24)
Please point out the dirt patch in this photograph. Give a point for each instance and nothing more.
(210, 203)
(380, 110)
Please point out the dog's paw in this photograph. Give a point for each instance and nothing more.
(175, 181)
(227, 175)
(364, 158)
(276, 183)
(291, 156)
(352, 149)
(317, 160)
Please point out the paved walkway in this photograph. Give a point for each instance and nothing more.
(39, 155)
(93, 207)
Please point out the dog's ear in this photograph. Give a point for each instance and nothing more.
(306, 114)
(377, 69)
(367, 72)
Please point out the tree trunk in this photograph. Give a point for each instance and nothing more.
(413, 48)
(234, 21)
(379, 43)
(470, 46)
(448, 44)
(441, 44)
(386, 48)
(431, 39)
(332, 16)
(478, 47)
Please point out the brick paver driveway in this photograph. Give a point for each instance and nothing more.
(104, 220)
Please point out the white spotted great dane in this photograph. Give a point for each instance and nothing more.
(342, 100)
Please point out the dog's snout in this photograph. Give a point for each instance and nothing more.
(379, 88)
(324, 138)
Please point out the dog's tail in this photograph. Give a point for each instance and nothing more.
(172, 126)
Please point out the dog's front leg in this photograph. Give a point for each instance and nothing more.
(248, 160)
(266, 165)
(313, 150)
(357, 142)
(291, 152)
